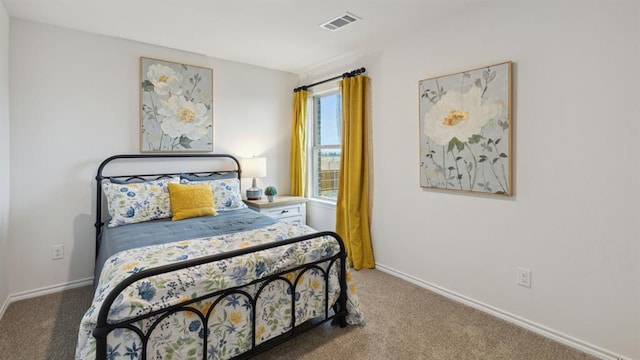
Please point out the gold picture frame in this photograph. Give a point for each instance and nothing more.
(176, 107)
(466, 127)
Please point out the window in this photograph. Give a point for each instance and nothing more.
(325, 142)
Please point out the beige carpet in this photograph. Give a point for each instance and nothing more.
(403, 322)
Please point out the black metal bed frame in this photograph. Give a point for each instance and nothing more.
(104, 327)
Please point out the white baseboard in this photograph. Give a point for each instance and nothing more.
(43, 291)
(49, 289)
(514, 319)
(4, 307)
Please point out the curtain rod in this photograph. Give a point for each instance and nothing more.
(353, 73)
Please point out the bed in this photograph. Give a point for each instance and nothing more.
(220, 282)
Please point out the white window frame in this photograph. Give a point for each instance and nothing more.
(312, 149)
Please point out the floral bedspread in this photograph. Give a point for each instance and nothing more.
(180, 336)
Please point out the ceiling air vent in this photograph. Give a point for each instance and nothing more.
(339, 22)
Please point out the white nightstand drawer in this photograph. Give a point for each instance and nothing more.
(289, 209)
(292, 220)
(284, 211)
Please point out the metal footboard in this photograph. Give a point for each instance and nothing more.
(104, 327)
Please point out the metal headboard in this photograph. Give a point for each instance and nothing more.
(99, 177)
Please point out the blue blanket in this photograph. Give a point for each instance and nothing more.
(164, 231)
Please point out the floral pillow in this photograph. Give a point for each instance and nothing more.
(138, 202)
(226, 193)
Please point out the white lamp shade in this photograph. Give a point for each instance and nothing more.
(254, 167)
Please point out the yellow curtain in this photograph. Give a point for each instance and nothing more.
(298, 159)
(352, 207)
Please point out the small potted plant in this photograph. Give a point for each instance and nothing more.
(271, 192)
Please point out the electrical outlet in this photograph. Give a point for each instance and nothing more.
(524, 277)
(57, 252)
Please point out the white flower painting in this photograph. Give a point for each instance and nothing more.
(176, 107)
(465, 131)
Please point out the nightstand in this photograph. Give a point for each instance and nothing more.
(291, 209)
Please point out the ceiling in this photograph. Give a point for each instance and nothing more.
(278, 34)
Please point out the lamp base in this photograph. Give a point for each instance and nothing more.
(254, 193)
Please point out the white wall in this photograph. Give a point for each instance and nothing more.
(4, 158)
(74, 102)
(574, 218)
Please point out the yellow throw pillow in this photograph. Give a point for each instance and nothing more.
(189, 201)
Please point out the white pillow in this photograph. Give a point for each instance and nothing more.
(138, 202)
(226, 193)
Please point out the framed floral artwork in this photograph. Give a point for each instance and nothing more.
(466, 131)
(176, 107)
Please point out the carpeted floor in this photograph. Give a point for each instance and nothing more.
(404, 321)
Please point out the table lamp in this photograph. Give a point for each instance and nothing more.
(254, 167)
